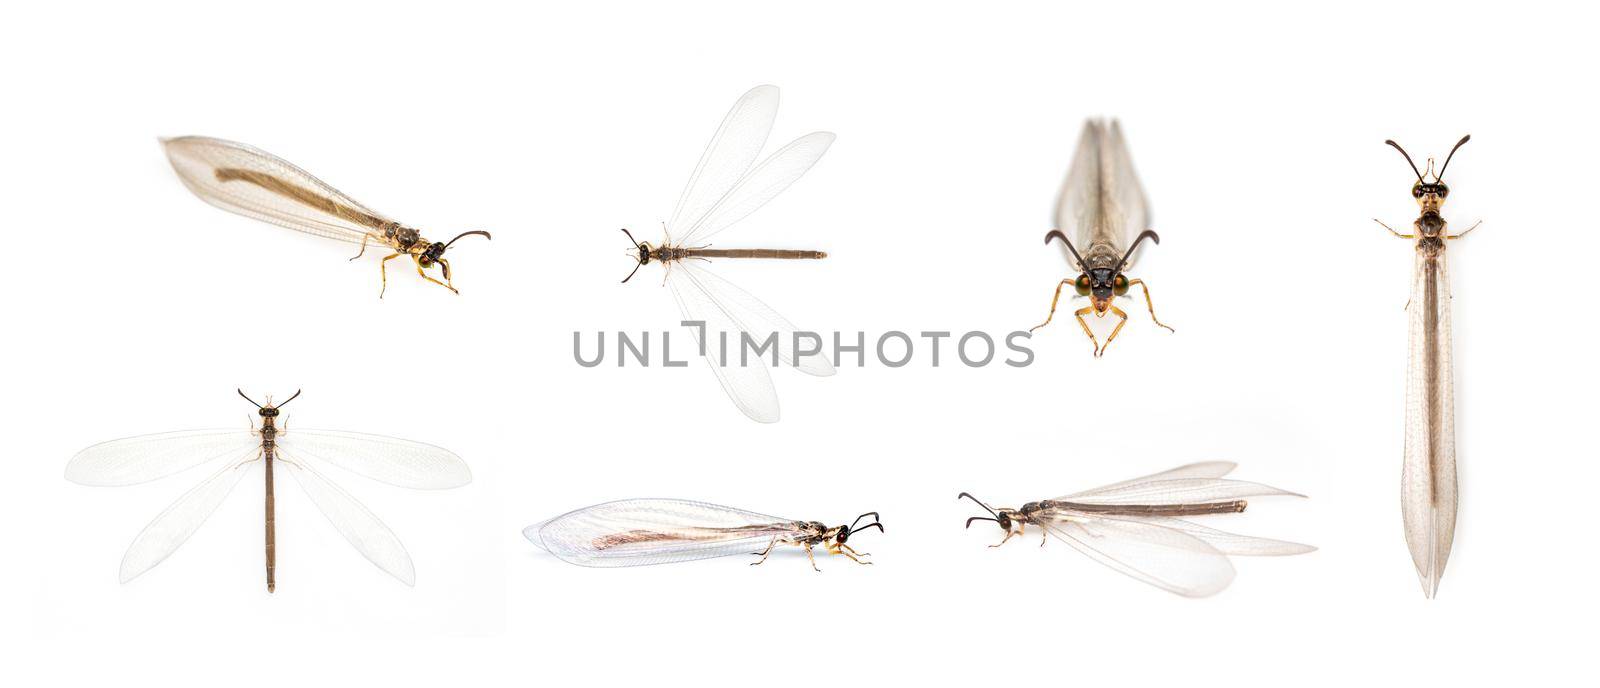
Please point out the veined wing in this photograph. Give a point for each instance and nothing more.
(1228, 543)
(386, 459)
(1126, 212)
(1167, 558)
(359, 526)
(1428, 481)
(739, 139)
(762, 184)
(1203, 469)
(133, 460)
(1179, 491)
(756, 318)
(174, 526)
(1078, 207)
(254, 183)
(636, 532)
(748, 384)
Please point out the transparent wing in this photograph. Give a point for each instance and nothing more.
(1428, 480)
(762, 184)
(1078, 207)
(174, 526)
(1167, 558)
(254, 183)
(749, 384)
(636, 532)
(133, 460)
(756, 318)
(1127, 213)
(1229, 543)
(739, 139)
(1180, 491)
(359, 527)
(385, 459)
(1203, 469)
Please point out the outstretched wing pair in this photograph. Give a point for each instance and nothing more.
(726, 186)
(141, 459)
(1170, 553)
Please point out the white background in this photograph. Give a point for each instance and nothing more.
(132, 307)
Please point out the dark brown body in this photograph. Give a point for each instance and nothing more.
(1231, 507)
(669, 254)
(269, 450)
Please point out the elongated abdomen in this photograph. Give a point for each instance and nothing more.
(772, 253)
(1428, 479)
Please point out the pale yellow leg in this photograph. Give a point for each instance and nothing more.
(430, 279)
(766, 551)
(1085, 325)
(1148, 304)
(1458, 236)
(813, 558)
(1003, 540)
(383, 271)
(363, 251)
(1117, 312)
(1391, 230)
(1053, 301)
(845, 550)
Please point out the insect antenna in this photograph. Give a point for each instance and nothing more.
(1056, 234)
(1408, 156)
(873, 514)
(975, 499)
(874, 524)
(291, 398)
(980, 518)
(458, 236)
(1452, 154)
(635, 244)
(247, 398)
(1146, 234)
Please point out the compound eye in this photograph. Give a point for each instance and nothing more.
(1416, 190)
(1119, 286)
(1442, 190)
(1082, 285)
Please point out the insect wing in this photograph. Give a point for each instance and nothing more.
(1126, 212)
(1180, 491)
(747, 382)
(254, 183)
(733, 149)
(757, 319)
(385, 459)
(1428, 480)
(1167, 558)
(761, 185)
(173, 527)
(1078, 207)
(133, 460)
(637, 532)
(1203, 469)
(358, 525)
(1228, 543)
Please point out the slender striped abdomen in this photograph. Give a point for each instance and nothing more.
(776, 253)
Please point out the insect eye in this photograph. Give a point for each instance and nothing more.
(1416, 191)
(1082, 285)
(1442, 190)
(1119, 286)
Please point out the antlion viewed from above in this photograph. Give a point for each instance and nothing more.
(1133, 526)
(254, 183)
(1101, 207)
(144, 458)
(723, 189)
(636, 532)
(1428, 478)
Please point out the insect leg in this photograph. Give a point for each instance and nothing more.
(363, 251)
(1085, 324)
(1148, 304)
(766, 551)
(851, 550)
(430, 279)
(1003, 540)
(1117, 312)
(1391, 230)
(841, 549)
(444, 268)
(383, 271)
(812, 557)
(1053, 301)
(1458, 236)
